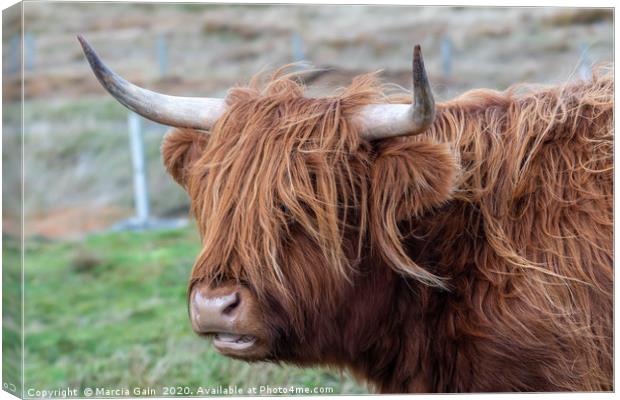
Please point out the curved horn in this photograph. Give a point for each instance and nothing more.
(182, 112)
(382, 121)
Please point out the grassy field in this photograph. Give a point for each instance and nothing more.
(110, 311)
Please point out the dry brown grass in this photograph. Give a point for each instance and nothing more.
(580, 17)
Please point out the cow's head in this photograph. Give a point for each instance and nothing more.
(294, 197)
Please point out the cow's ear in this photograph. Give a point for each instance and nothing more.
(410, 177)
(180, 149)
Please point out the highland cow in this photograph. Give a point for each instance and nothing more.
(458, 247)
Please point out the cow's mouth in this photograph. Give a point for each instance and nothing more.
(240, 346)
(234, 342)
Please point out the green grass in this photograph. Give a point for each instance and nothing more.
(106, 109)
(110, 311)
(11, 312)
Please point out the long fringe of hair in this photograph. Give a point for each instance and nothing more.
(277, 161)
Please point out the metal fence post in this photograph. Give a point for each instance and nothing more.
(297, 46)
(29, 51)
(162, 54)
(14, 66)
(585, 65)
(141, 197)
(446, 56)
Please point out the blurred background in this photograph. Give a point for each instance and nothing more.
(108, 244)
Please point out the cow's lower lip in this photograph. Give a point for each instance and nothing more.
(229, 341)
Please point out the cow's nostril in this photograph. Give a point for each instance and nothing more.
(232, 305)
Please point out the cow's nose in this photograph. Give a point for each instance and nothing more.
(215, 310)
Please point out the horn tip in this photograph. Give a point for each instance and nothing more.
(93, 59)
(86, 47)
(81, 39)
(417, 52)
(419, 72)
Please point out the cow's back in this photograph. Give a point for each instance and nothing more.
(527, 240)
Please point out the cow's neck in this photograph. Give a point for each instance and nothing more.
(386, 340)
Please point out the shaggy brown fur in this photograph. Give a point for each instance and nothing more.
(475, 257)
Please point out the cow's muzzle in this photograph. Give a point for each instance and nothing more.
(230, 314)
